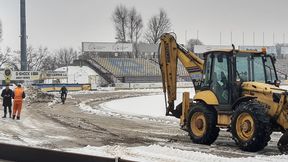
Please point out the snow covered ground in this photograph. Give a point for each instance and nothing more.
(152, 107)
(149, 107)
(167, 154)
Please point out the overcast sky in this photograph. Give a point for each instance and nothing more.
(66, 23)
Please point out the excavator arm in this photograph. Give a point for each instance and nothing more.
(169, 54)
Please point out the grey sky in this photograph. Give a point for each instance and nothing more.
(66, 23)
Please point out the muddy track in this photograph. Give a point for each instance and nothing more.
(109, 129)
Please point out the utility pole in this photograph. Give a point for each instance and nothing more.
(197, 35)
(253, 38)
(185, 37)
(263, 39)
(273, 38)
(23, 36)
(231, 37)
(243, 38)
(220, 39)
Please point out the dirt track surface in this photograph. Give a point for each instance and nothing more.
(59, 126)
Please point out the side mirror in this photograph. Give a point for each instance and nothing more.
(277, 83)
(274, 59)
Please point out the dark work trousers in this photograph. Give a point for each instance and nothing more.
(5, 110)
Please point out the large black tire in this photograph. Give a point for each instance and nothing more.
(210, 131)
(283, 143)
(253, 125)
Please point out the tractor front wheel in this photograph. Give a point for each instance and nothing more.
(202, 122)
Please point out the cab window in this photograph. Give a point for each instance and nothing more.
(207, 75)
(270, 72)
(258, 70)
(219, 77)
(242, 66)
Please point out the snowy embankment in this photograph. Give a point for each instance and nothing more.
(153, 108)
(167, 154)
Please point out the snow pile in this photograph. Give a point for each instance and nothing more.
(36, 95)
(87, 108)
(165, 154)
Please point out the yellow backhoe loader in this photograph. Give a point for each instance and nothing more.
(237, 90)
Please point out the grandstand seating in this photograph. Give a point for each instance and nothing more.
(129, 66)
(136, 69)
(180, 68)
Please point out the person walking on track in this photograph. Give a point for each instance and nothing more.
(63, 92)
(7, 94)
(18, 96)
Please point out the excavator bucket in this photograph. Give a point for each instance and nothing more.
(283, 143)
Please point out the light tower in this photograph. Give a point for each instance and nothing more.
(23, 36)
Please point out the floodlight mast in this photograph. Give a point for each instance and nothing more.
(23, 36)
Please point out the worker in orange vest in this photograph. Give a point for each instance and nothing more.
(18, 96)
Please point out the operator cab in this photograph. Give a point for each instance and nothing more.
(224, 71)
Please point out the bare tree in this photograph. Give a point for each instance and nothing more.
(49, 63)
(157, 25)
(15, 60)
(66, 56)
(135, 25)
(35, 58)
(120, 19)
(5, 56)
(191, 44)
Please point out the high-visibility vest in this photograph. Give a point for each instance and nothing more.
(18, 94)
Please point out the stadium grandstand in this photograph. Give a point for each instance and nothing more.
(117, 62)
(129, 70)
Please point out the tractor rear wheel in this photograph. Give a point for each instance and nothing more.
(202, 122)
(251, 126)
